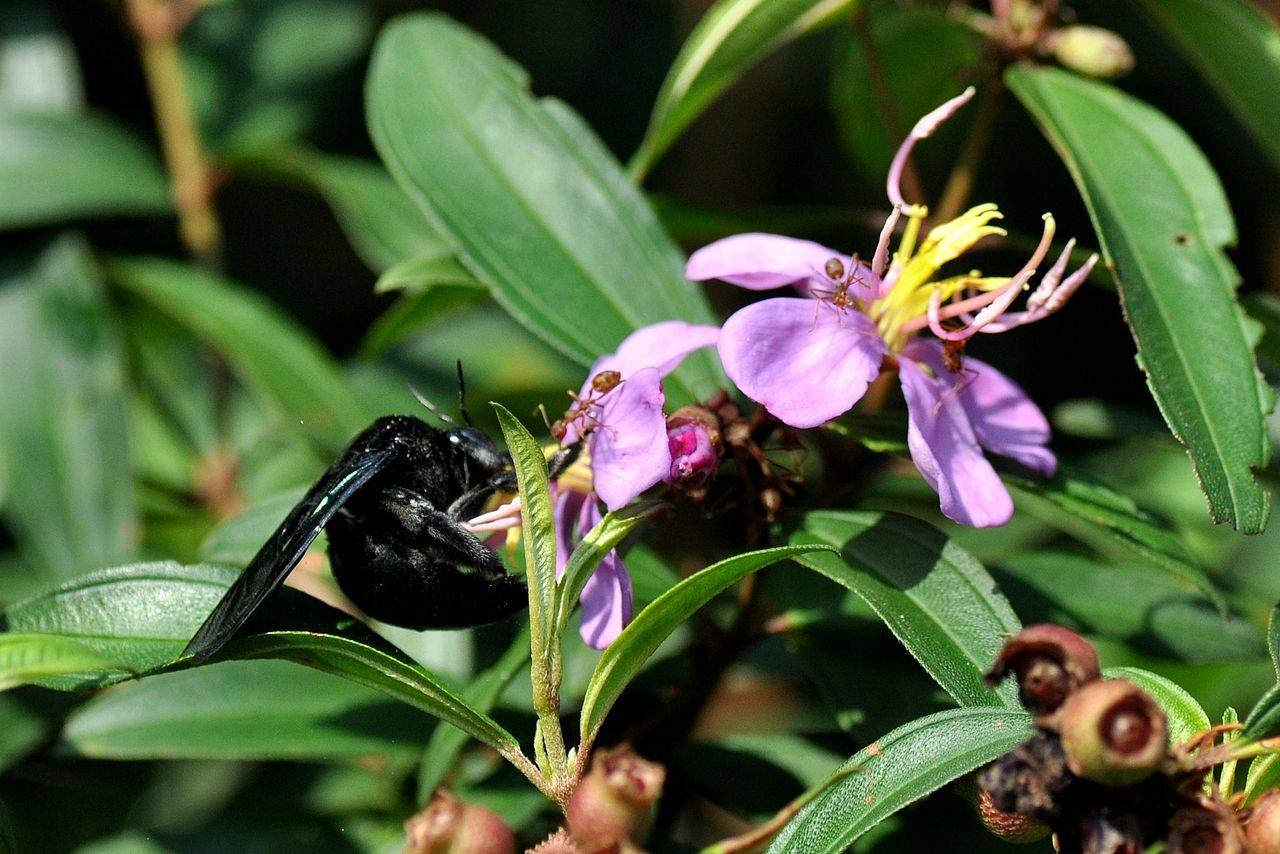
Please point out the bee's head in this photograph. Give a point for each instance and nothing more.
(477, 448)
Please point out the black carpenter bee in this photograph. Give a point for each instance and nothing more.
(393, 505)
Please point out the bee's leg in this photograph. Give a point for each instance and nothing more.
(469, 503)
(441, 532)
(564, 458)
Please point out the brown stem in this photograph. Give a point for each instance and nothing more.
(158, 24)
(887, 104)
(960, 185)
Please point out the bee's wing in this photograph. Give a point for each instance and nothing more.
(287, 545)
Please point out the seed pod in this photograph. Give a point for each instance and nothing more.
(1262, 827)
(1206, 827)
(1029, 780)
(1112, 732)
(613, 804)
(1050, 662)
(448, 826)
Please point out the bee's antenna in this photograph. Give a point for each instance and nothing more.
(462, 395)
(431, 407)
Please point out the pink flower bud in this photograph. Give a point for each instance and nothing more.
(1262, 829)
(693, 436)
(613, 804)
(448, 826)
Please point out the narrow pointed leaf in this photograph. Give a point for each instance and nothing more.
(1163, 222)
(535, 205)
(733, 37)
(898, 769)
(624, 658)
(26, 658)
(598, 542)
(935, 597)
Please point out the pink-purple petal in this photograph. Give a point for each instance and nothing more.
(801, 359)
(629, 451)
(606, 603)
(661, 345)
(946, 451)
(1004, 419)
(760, 261)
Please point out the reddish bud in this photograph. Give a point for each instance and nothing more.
(559, 842)
(693, 436)
(606, 381)
(1262, 828)
(1112, 732)
(613, 804)
(449, 826)
(1049, 662)
(1207, 827)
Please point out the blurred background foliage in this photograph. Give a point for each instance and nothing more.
(154, 410)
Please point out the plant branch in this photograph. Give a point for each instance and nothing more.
(158, 24)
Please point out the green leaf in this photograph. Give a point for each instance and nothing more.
(368, 666)
(1264, 775)
(482, 693)
(1163, 221)
(898, 769)
(248, 710)
(416, 310)
(1273, 638)
(1264, 309)
(56, 167)
(902, 34)
(266, 348)
(933, 595)
(1236, 48)
(419, 274)
(1112, 524)
(733, 37)
(535, 205)
(586, 556)
(1264, 718)
(1186, 716)
(139, 617)
(63, 434)
(623, 658)
(21, 731)
(25, 658)
(235, 541)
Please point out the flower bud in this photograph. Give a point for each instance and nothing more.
(1092, 51)
(614, 802)
(1011, 827)
(1262, 829)
(559, 842)
(693, 435)
(448, 826)
(1112, 732)
(1207, 827)
(1050, 662)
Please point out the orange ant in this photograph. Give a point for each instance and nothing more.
(581, 410)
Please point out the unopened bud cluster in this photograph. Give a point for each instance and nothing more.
(612, 807)
(1098, 772)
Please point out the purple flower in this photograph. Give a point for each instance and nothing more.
(619, 414)
(809, 359)
(695, 452)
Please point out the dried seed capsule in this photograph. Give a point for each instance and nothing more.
(1050, 662)
(1207, 827)
(1112, 732)
(1262, 828)
(614, 802)
(449, 826)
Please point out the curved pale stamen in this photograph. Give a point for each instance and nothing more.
(1055, 302)
(880, 261)
(1004, 298)
(923, 129)
(1050, 281)
(503, 518)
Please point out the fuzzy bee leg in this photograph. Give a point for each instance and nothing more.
(469, 503)
(563, 459)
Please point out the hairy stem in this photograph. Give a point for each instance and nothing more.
(158, 24)
(963, 175)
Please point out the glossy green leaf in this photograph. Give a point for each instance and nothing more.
(26, 658)
(933, 595)
(63, 432)
(365, 665)
(1236, 48)
(733, 37)
(482, 693)
(1264, 775)
(418, 274)
(139, 616)
(235, 541)
(624, 658)
(1186, 716)
(1112, 524)
(57, 167)
(250, 710)
(902, 34)
(898, 769)
(535, 204)
(271, 352)
(1163, 221)
(1264, 719)
(586, 556)
(417, 309)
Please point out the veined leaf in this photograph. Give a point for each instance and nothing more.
(26, 658)
(265, 347)
(623, 658)
(1236, 47)
(57, 166)
(733, 37)
(934, 596)
(235, 541)
(1163, 220)
(1186, 716)
(898, 769)
(419, 307)
(533, 202)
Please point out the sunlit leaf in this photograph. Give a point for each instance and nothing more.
(26, 658)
